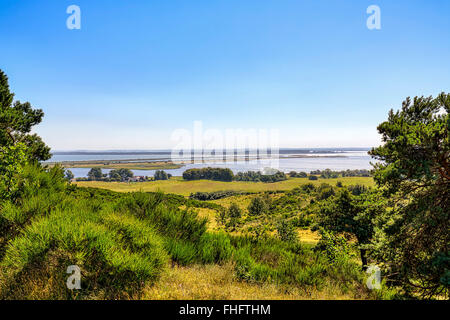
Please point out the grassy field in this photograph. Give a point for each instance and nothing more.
(178, 186)
(159, 165)
(217, 282)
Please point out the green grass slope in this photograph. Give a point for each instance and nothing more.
(125, 242)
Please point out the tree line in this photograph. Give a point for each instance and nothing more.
(118, 175)
(226, 175)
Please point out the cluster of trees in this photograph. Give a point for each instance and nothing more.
(225, 174)
(96, 174)
(162, 175)
(118, 175)
(257, 176)
(294, 174)
(217, 174)
(330, 174)
(355, 173)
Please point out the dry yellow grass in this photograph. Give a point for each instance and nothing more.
(216, 282)
(243, 201)
(308, 236)
(185, 188)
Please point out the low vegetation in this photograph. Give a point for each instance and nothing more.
(123, 243)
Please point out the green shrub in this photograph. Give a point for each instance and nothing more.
(180, 251)
(357, 189)
(309, 187)
(313, 275)
(257, 207)
(286, 231)
(168, 220)
(325, 191)
(215, 248)
(234, 211)
(244, 264)
(115, 253)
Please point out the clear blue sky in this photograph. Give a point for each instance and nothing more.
(137, 70)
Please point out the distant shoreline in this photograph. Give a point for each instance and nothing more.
(163, 163)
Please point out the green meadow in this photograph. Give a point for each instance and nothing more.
(177, 185)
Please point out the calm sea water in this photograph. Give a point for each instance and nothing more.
(312, 159)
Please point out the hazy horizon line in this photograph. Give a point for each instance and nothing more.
(170, 150)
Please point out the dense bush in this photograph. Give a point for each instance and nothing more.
(286, 231)
(234, 211)
(115, 252)
(290, 262)
(257, 207)
(205, 196)
(215, 248)
(325, 191)
(308, 187)
(169, 220)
